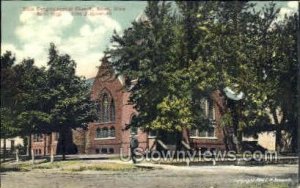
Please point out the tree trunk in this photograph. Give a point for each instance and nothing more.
(45, 144)
(29, 145)
(84, 141)
(4, 149)
(294, 135)
(278, 143)
(298, 89)
(51, 148)
(228, 134)
(235, 124)
(32, 156)
(52, 154)
(178, 141)
(63, 142)
(17, 155)
(278, 138)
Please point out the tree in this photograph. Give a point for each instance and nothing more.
(144, 53)
(249, 54)
(195, 20)
(8, 98)
(148, 54)
(31, 114)
(279, 81)
(214, 45)
(68, 97)
(21, 104)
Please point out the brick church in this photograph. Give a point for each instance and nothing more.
(111, 132)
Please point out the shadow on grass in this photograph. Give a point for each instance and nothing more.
(13, 169)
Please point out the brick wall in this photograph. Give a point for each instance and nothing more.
(44, 145)
(107, 82)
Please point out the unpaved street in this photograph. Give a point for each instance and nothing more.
(169, 176)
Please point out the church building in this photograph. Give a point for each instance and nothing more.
(110, 132)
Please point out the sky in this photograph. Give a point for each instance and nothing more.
(81, 29)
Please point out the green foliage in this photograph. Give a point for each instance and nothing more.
(31, 87)
(36, 100)
(145, 52)
(182, 57)
(8, 95)
(8, 128)
(176, 108)
(68, 101)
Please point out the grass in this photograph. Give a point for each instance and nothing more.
(12, 169)
(71, 166)
(104, 167)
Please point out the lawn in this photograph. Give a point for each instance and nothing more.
(71, 166)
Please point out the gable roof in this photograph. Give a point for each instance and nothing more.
(105, 69)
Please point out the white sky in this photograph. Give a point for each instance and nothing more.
(84, 38)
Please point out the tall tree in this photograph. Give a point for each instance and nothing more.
(144, 53)
(31, 110)
(68, 97)
(148, 53)
(279, 80)
(8, 98)
(214, 45)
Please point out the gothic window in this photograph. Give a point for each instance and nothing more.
(108, 132)
(209, 111)
(105, 132)
(98, 133)
(106, 108)
(112, 132)
(112, 110)
(204, 106)
(98, 109)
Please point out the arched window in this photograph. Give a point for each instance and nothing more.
(105, 132)
(108, 132)
(98, 110)
(112, 110)
(112, 132)
(209, 110)
(208, 107)
(98, 133)
(107, 108)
